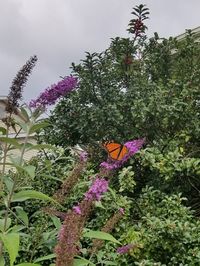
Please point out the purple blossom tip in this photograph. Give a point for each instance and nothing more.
(77, 209)
(125, 249)
(121, 210)
(134, 146)
(54, 92)
(110, 165)
(98, 187)
(83, 156)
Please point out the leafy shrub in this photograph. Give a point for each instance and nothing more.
(167, 231)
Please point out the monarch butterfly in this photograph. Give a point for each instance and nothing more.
(116, 151)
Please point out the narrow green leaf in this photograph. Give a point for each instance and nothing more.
(2, 222)
(27, 145)
(11, 141)
(112, 193)
(106, 262)
(27, 264)
(8, 182)
(38, 126)
(30, 194)
(24, 113)
(100, 235)
(16, 229)
(11, 243)
(37, 113)
(56, 222)
(21, 123)
(22, 215)
(48, 257)
(52, 177)
(41, 146)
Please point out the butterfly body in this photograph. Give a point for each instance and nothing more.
(116, 151)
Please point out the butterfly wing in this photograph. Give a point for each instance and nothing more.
(116, 151)
(122, 153)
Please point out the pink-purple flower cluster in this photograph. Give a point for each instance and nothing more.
(83, 156)
(125, 249)
(132, 146)
(77, 209)
(121, 210)
(54, 92)
(98, 187)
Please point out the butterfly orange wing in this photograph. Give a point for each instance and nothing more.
(116, 151)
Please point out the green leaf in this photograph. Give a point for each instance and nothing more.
(30, 194)
(8, 182)
(41, 146)
(27, 264)
(106, 262)
(56, 222)
(112, 193)
(3, 130)
(100, 235)
(27, 145)
(30, 169)
(11, 243)
(2, 222)
(37, 113)
(22, 215)
(16, 229)
(11, 141)
(21, 123)
(24, 113)
(48, 257)
(82, 262)
(99, 204)
(16, 160)
(38, 126)
(52, 177)
(2, 261)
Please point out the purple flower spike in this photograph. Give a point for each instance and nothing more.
(125, 249)
(110, 165)
(83, 156)
(99, 186)
(54, 92)
(132, 146)
(77, 209)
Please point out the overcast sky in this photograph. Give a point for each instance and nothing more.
(60, 31)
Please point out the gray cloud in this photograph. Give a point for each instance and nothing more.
(60, 31)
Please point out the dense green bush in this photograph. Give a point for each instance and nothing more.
(156, 96)
(167, 232)
(139, 87)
